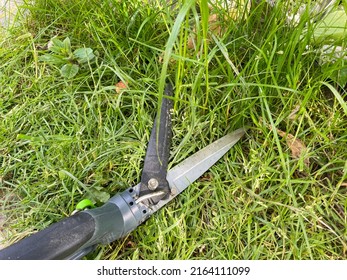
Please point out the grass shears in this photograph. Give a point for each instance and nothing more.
(79, 234)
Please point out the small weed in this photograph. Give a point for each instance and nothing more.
(69, 61)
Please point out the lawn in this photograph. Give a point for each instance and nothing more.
(75, 121)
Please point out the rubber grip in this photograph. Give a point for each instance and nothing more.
(58, 241)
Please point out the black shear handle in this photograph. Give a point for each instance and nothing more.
(58, 241)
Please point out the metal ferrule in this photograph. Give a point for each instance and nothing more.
(120, 215)
(133, 213)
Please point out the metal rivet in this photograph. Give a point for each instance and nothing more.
(152, 184)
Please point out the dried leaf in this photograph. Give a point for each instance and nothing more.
(161, 58)
(190, 43)
(292, 115)
(214, 26)
(296, 146)
(121, 86)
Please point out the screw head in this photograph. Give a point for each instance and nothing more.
(173, 191)
(152, 184)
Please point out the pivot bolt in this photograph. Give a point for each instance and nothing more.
(152, 184)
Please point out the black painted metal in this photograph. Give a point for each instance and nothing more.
(158, 150)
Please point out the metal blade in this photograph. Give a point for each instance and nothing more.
(185, 173)
(157, 155)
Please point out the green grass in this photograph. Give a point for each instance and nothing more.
(63, 140)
